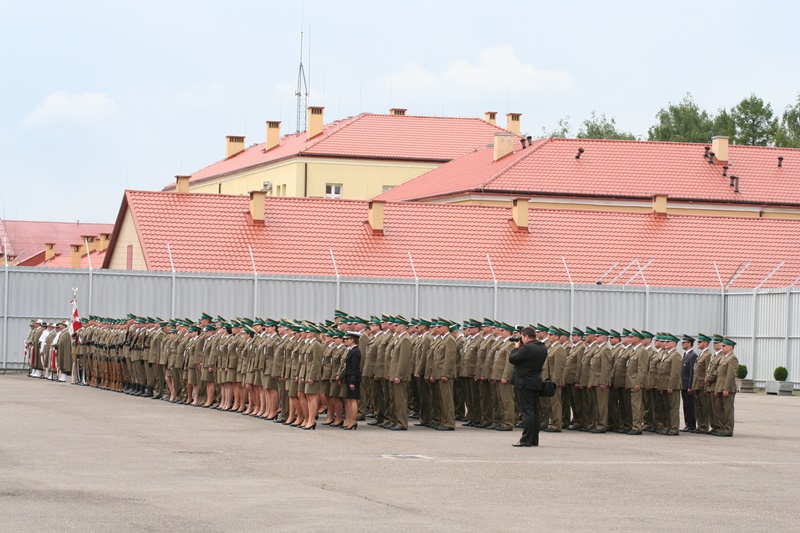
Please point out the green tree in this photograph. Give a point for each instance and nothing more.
(723, 124)
(682, 122)
(561, 131)
(599, 127)
(789, 128)
(755, 122)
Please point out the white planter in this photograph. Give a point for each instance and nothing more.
(781, 388)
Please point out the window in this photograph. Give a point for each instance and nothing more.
(333, 190)
(387, 187)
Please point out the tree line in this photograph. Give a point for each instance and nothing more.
(752, 122)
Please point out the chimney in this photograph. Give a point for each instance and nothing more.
(315, 122)
(519, 213)
(182, 184)
(503, 144)
(398, 112)
(719, 145)
(257, 206)
(89, 239)
(273, 134)
(75, 255)
(49, 251)
(660, 204)
(233, 145)
(102, 245)
(491, 117)
(375, 216)
(512, 122)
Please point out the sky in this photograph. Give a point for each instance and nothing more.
(97, 97)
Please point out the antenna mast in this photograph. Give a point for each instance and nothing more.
(302, 92)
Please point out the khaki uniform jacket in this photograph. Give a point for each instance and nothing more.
(711, 374)
(600, 367)
(636, 371)
(401, 358)
(368, 357)
(430, 356)
(652, 367)
(314, 352)
(571, 364)
(279, 356)
(423, 345)
(621, 366)
(555, 363)
(726, 373)
(480, 357)
(586, 364)
(444, 358)
(469, 357)
(669, 371)
(700, 370)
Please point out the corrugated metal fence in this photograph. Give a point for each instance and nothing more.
(767, 334)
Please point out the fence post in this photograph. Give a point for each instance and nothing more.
(416, 286)
(172, 289)
(494, 315)
(255, 283)
(89, 259)
(5, 310)
(338, 279)
(571, 295)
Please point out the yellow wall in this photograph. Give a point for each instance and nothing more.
(127, 236)
(360, 180)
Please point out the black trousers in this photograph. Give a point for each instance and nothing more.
(528, 401)
(689, 416)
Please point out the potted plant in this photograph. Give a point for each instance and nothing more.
(742, 384)
(780, 386)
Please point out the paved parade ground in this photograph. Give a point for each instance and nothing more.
(79, 459)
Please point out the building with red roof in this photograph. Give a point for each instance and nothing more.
(62, 244)
(302, 236)
(355, 158)
(688, 178)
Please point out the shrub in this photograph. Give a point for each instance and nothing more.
(781, 374)
(741, 372)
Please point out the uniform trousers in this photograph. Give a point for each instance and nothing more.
(728, 411)
(436, 403)
(613, 409)
(508, 415)
(625, 411)
(379, 401)
(659, 410)
(446, 402)
(601, 408)
(400, 404)
(459, 397)
(424, 392)
(576, 402)
(718, 422)
(474, 407)
(388, 401)
(485, 388)
(554, 413)
(689, 413)
(149, 375)
(637, 410)
(703, 402)
(544, 405)
(590, 408)
(673, 404)
(649, 413)
(464, 385)
(158, 380)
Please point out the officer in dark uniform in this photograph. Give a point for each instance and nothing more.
(687, 377)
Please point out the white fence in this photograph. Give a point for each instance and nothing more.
(762, 321)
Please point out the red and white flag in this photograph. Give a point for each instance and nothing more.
(75, 323)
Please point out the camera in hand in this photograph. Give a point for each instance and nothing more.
(515, 338)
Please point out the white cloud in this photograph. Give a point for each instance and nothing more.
(83, 108)
(496, 70)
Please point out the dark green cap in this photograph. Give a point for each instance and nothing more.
(552, 330)
(540, 327)
(717, 337)
(210, 327)
(614, 333)
(601, 331)
(703, 337)
(576, 331)
(590, 331)
(646, 334)
(205, 316)
(729, 342)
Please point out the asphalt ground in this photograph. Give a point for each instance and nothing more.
(80, 459)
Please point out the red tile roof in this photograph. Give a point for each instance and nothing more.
(368, 136)
(210, 232)
(31, 236)
(65, 260)
(616, 169)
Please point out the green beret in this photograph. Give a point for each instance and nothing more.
(729, 342)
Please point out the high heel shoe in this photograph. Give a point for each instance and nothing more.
(326, 423)
(353, 427)
(314, 426)
(340, 424)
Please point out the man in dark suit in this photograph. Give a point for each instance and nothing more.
(528, 358)
(687, 377)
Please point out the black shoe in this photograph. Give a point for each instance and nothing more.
(314, 426)
(372, 423)
(482, 426)
(672, 433)
(501, 428)
(687, 429)
(632, 432)
(397, 428)
(420, 424)
(353, 427)
(467, 424)
(596, 431)
(519, 425)
(443, 428)
(148, 393)
(491, 427)
(523, 445)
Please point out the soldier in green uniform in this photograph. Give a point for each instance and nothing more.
(725, 388)
(600, 381)
(702, 398)
(635, 376)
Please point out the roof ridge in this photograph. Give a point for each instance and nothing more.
(337, 125)
(511, 164)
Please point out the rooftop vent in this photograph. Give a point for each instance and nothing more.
(780, 161)
(711, 158)
(398, 112)
(580, 153)
(725, 170)
(707, 148)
